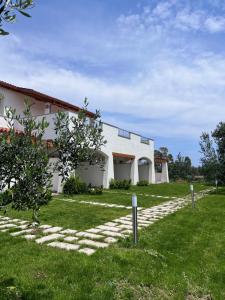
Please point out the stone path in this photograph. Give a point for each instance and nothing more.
(141, 194)
(88, 241)
(108, 205)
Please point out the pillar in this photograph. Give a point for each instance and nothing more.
(134, 172)
(165, 173)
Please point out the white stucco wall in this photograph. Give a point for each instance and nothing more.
(93, 174)
(122, 171)
(144, 172)
(115, 143)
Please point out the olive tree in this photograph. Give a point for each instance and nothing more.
(9, 10)
(78, 140)
(24, 166)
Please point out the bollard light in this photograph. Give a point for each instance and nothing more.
(192, 195)
(134, 200)
(134, 219)
(216, 182)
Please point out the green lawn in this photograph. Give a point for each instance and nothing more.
(73, 215)
(77, 215)
(124, 197)
(183, 253)
(171, 189)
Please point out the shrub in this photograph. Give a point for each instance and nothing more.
(74, 185)
(95, 190)
(120, 184)
(143, 183)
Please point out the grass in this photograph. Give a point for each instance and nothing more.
(124, 196)
(73, 215)
(181, 254)
(171, 189)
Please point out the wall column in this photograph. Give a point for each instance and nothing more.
(109, 171)
(152, 172)
(134, 172)
(165, 173)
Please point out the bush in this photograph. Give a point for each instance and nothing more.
(143, 183)
(74, 185)
(120, 184)
(95, 190)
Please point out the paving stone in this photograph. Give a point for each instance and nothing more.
(4, 222)
(52, 230)
(50, 237)
(9, 225)
(70, 238)
(110, 228)
(63, 245)
(94, 230)
(87, 251)
(23, 226)
(23, 222)
(89, 235)
(126, 222)
(113, 234)
(29, 236)
(4, 230)
(93, 243)
(110, 240)
(127, 231)
(69, 231)
(45, 226)
(123, 226)
(143, 225)
(17, 233)
(5, 218)
(111, 224)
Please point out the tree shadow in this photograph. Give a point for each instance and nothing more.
(10, 290)
(220, 191)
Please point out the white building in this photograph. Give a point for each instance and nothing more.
(127, 155)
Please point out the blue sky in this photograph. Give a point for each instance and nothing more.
(154, 67)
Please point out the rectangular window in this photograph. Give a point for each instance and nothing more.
(123, 133)
(144, 140)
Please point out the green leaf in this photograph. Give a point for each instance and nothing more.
(3, 32)
(24, 13)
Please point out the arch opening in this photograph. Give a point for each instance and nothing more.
(94, 174)
(145, 169)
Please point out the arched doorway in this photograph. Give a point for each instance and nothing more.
(94, 174)
(145, 169)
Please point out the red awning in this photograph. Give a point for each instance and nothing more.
(123, 155)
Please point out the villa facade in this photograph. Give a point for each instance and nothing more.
(127, 155)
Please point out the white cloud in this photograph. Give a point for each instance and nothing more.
(163, 9)
(171, 98)
(215, 24)
(187, 20)
(173, 15)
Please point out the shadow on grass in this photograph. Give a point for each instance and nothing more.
(220, 191)
(9, 290)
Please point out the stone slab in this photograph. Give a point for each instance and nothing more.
(93, 243)
(52, 230)
(9, 225)
(94, 230)
(69, 231)
(29, 236)
(50, 237)
(89, 235)
(64, 246)
(70, 238)
(112, 234)
(17, 233)
(110, 240)
(110, 228)
(87, 251)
